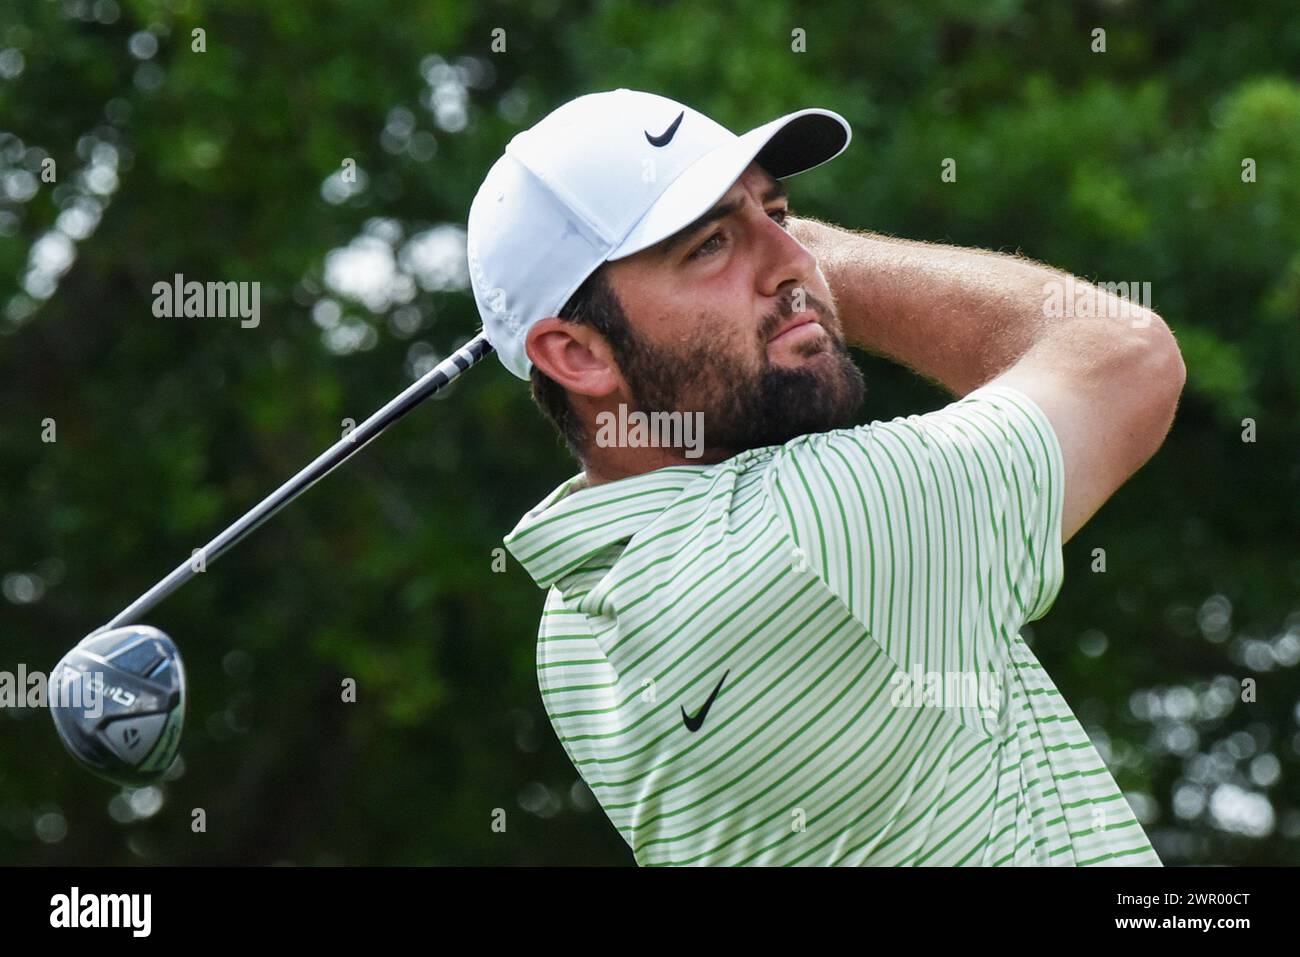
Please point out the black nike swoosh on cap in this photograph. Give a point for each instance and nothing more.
(695, 723)
(666, 137)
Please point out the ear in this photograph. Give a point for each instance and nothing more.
(575, 356)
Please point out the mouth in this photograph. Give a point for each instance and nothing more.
(797, 326)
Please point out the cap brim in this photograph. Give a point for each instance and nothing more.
(791, 144)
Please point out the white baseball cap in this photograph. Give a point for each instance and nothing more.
(605, 176)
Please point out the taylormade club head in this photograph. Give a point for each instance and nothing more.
(118, 701)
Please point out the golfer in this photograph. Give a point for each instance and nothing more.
(796, 640)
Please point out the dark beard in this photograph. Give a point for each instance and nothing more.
(743, 410)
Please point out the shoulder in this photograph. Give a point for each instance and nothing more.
(988, 428)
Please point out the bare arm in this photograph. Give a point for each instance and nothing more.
(965, 318)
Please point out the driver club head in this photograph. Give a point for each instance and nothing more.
(118, 701)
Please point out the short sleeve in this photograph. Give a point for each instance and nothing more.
(941, 532)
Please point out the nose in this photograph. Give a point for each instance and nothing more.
(784, 264)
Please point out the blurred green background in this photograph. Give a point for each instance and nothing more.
(226, 165)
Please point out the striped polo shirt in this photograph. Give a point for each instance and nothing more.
(811, 653)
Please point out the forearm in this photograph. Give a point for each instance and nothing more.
(957, 316)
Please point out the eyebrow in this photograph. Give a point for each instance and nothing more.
(776, 191)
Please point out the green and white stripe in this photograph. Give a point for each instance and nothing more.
(811, 575)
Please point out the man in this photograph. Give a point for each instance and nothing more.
(797, 641)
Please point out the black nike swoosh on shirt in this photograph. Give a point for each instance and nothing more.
(695, 723)
(666, 137)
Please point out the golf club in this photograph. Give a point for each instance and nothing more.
(118, 697)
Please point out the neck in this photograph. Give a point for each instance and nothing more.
(612, 464)
(614, 452)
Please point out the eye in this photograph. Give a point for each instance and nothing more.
(707, 248)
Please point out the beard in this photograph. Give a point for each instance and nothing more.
(743, 408)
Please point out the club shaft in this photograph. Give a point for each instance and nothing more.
(432, 381)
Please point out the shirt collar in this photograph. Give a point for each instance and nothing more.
(577, 520)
